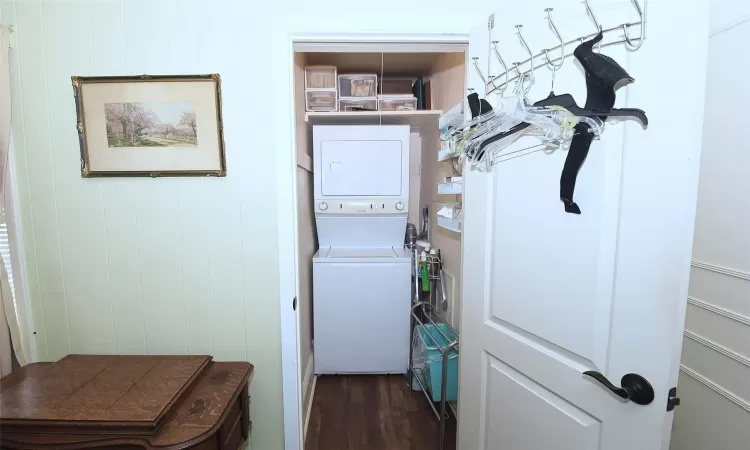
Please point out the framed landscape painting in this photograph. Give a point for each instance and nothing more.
(150, 125)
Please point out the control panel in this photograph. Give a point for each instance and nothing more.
(361, 206)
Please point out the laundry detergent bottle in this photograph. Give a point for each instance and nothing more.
(425, 275)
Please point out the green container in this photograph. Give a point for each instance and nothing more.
(434, 366)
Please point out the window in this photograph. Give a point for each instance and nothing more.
(5, 253)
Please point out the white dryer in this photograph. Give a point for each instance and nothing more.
(361, 170)
(361, 273)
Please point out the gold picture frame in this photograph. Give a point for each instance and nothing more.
(150, 125)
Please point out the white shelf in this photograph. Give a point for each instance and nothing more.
(453, 116)
(423, 118)
(446, 154)
(445, 222)
(450, 188)
(449, 224)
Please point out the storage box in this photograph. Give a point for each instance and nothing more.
(321, 100)
(320, 77)
(401, 103)
(434, 361)
(358, 85)
(396, 86)
(354, 104)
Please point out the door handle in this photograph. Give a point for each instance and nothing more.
(634, 388)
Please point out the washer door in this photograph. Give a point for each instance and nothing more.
(361, 317)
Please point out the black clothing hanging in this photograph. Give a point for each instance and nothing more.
(603, 77)
(478, 106)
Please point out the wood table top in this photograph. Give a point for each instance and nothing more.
(128, 394)
(213, 413)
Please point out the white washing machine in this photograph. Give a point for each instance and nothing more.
(361, 272)
(361, 310)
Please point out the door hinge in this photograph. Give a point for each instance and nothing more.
(294, 304)
(673, 400)
(491, 22)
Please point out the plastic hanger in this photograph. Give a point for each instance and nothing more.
(554, 122)
(568, 102)
(509, 116)
(603, 77)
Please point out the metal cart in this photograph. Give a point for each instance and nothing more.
(425, 312)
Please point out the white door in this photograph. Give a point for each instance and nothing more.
(549, 295)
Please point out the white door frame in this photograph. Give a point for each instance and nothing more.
(286, 188)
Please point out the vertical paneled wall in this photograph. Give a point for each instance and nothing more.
(714, 381)
(141, 265)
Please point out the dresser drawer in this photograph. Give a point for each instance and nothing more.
(230, 435)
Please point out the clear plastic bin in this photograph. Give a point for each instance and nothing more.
(398, 103)
(358, 104)
(321, 100)
(320, 77)
(358, 85)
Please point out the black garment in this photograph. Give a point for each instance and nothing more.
(603, 77)
(478, 106)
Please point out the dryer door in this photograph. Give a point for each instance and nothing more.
(362, 168)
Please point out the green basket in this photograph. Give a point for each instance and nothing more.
(434, 366)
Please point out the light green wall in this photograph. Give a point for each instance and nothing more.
(179, 265)
(136, 266)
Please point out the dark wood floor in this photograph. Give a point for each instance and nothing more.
(372, 412)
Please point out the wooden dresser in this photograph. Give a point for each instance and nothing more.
(126, 403)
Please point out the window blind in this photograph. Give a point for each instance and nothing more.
(5, 253)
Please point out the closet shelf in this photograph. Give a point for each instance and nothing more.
(453, 116)
(450, 188)
(425, 118)
(449, 224)
(447, 153)
(455, 217)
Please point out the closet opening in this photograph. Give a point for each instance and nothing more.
(379, 242)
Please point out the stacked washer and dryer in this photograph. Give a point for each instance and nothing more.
(361, 272)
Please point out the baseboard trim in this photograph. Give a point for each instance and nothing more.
(310, 403)
(719, 310)
(308, 388)
(718, 348)
(728, 26)
(715, 387)
(721, 269)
